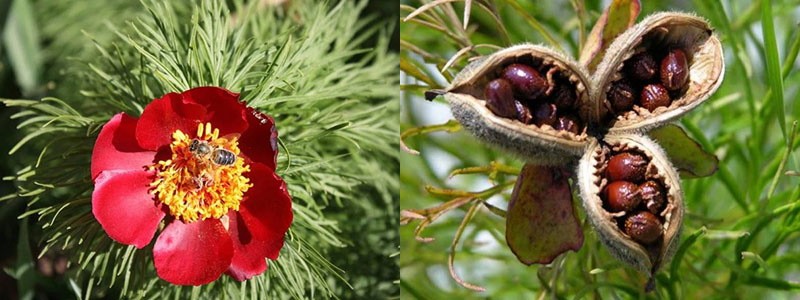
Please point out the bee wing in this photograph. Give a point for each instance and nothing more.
(232, 136)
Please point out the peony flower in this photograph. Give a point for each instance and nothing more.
(199, 167)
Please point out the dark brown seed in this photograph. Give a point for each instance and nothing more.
(564, 97)
(567, 123)
(674, 70)
(626, 166)
(622, 196)
(545, 113)
(500, 98)
(621, 96)
(653, 196)
(642, 66)
(654, 96)
(527, 82)
(523, 113)
(643, 227)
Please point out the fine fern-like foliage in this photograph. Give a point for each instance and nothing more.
(334, 102)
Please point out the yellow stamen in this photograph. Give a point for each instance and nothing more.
(193, 186)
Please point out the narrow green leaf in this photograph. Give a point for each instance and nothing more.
(773, 63)
(25, 271)
(21, 40)
(541, 222)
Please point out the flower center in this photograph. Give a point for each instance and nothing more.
(203, 179)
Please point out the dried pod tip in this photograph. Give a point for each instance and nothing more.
(644, 227)
(626, 166)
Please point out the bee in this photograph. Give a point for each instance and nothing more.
(217, 155)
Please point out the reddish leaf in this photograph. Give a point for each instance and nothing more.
(541, 222)
(684, 152)
(618, 17)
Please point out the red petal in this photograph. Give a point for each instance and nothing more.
(116, 147)
(267, 207)
(224, 110)
(164, 116)
(259, 141)
(124, 207)
(249, 256)
(192, 254)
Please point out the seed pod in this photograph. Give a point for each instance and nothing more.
(542, 144)
(646, 257)
(654, 34)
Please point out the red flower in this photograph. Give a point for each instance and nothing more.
(204, 163)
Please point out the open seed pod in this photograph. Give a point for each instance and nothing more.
(669, 63)
(643, 234)
(528, 100)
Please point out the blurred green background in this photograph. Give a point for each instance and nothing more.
(741, 237)
(45, 41)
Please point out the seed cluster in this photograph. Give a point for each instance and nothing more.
(534, 93)
(650, 79)
(641, 199)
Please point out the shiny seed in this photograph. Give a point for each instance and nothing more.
(567, 123)
(653, 196)
(527, 82)
(500, 98)
(643, 227)
(626, 166)
(523, 113)
(642, 67)
(622, 196)
(564, 97)
(674, 70)
(621, 96)
(654, 96)
(545, 113)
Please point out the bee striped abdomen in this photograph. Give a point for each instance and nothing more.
(224, 157)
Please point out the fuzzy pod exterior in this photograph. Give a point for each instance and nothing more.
(647, 259)
(540, 144)
(660, 31)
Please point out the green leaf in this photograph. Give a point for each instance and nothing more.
(21, 41)
(773, 64)
(684, 152)
(541, 222)
(25, 271)
(618, 17)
